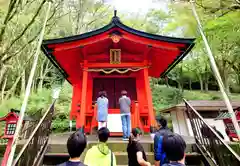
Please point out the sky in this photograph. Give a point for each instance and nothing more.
(137, 5)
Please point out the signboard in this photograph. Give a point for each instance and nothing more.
(229, 125)
(114, 123)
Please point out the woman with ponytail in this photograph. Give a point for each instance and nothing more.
(136, 153)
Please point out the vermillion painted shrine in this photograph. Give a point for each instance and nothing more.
(114, 58)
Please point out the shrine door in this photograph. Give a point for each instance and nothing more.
(113, 87)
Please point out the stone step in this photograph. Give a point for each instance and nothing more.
(115, 147)
(121, 157)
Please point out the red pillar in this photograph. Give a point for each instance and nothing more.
(76, 101)
(83, 109)
(151, 117)
(7, 152)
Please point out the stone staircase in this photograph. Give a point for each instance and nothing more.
(57, 152)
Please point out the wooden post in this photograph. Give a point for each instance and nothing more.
(149, 97)
(83, 98)
(7, 152)
(76, 98)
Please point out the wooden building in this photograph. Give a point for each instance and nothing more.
(114, 58)
(209, 110)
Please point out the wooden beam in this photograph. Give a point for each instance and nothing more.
(105, 56)
(81, 43)
(148, 49)
(83, 52)
(108, 65)
(164, 45)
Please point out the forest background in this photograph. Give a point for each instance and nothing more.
(21, 23)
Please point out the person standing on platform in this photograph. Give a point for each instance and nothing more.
(159, 154)
(136, 153)
(125, 104)
(102, 109)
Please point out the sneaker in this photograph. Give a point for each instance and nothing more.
(125, 139)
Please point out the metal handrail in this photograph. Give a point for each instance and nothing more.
(36, 138)
(214, 141)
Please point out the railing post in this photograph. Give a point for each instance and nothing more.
(37, 143)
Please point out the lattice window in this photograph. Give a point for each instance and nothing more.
(115, 56)
(230, 127)
(11, 127)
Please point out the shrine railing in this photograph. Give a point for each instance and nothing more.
(35, 147)
(29, 126)
(211, 145)
(3, 141)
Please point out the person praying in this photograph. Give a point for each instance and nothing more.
(102, 109)
(125, 104)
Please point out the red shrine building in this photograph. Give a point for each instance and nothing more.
(114, 58)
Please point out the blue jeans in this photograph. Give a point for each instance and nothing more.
(126, 125)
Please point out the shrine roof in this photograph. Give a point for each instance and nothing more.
(136, 46)
(117, 23)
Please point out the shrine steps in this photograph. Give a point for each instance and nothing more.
(192, 159)
(57, 151)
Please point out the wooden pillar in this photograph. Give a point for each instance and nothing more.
(151, 117)
(7, 152)
(83, 98)
(89, 92)
(76, 101)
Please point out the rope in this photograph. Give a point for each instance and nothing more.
(121, 71)
(216, 71)
(28, 89)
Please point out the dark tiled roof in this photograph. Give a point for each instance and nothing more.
(204, 105)
(209, 103)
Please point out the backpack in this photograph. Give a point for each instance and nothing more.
(163, 158)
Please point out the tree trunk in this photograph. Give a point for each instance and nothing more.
(2, 72)
(41, 79)
(201, 83)
(190, 84)
(13, 88)
(227, 88)
(167, 82)
(43, 73)
(3, 88)
(180, 85)
(23, 83)
(206, 85)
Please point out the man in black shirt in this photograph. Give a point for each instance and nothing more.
(76, 144)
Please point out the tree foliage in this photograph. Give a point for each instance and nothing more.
(221, 24)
